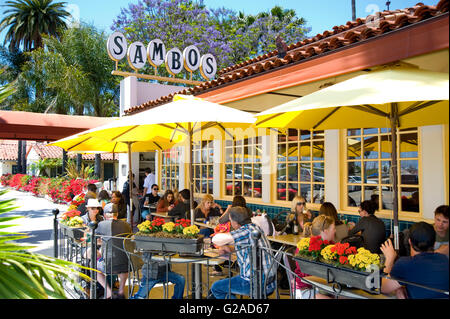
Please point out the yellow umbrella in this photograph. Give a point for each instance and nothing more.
(167, 125)
(87, 142)
(392, 96)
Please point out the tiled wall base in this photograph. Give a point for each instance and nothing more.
(273, 211)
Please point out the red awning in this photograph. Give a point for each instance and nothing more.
(17, 125)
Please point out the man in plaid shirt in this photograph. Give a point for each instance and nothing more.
(241, 238)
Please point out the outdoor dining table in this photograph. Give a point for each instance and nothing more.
(286, 240)
(163, 215)
(343, 291)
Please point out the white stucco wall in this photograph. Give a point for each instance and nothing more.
(433, 172)
(133, 93)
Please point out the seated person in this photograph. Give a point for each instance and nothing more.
(183, 208)
(117, 198)
(150, 199)
(103, 197)
(324, 226)
(110, 253)
(166, 203)
(328, 209)
(89, 195)
(238, 201)
(371, 227)
(241, 238)
(94, 208)
(423, 267)
(441, 228)
(298, 207)
(206, 209)
(147, 283)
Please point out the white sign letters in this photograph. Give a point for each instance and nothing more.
(155, 53)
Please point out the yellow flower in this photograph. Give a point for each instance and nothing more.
(303, 244)
(75, 221)
(327, 254)
(168, 227)
(143, 226)
(191, 230)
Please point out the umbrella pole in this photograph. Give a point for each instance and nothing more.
(196, 271)
(394, 125)
(130, 179)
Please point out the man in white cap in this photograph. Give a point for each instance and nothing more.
(94, 208)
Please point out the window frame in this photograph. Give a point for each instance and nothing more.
(382, 213)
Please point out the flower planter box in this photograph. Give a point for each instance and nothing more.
(72, 232)
(170, 245)
(370, 282)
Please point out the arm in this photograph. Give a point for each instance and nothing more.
(358, 227)
(443, 249)
(160, 208)
(389, 285)
(223, 239)
(225, 216)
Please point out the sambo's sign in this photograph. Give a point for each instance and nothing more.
(155, 53)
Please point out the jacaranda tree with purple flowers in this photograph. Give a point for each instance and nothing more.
(231, 37)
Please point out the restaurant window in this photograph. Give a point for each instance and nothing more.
(301, 165)
(243, 168)
(170, 168)
(368, 166)
(203, 167)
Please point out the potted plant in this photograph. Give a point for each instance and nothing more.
(71, 224)
(339, 263)
(176, 237)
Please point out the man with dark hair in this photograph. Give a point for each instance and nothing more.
(183, 208)
(423, 267)
(441, 228)
(241, 238)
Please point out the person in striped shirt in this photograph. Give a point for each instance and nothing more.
(242, 240)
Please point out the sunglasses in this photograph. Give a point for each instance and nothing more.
(156, 189)
(301, 203)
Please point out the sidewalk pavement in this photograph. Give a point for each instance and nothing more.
(37, 222)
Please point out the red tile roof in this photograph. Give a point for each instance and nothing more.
(8, 151)
(350, 33)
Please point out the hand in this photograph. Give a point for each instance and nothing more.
(351, 225)
(389, 252)
(443, 249)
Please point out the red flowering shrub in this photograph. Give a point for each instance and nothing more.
(59, 189)
(5, 179)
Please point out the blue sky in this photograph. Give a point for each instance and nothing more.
(320, 15)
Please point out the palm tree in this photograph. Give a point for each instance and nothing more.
(27, 20)
(26, 275)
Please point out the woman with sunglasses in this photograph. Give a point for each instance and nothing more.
(298, 208)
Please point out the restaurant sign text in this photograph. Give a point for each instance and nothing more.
(155, 53)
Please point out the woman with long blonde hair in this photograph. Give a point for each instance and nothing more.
(298, 206)
(207, 208)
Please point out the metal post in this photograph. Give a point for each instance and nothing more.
(55, 233)
(97, 165)
(394, 125)
(256, 278)
(93, 226)
(130, 180)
